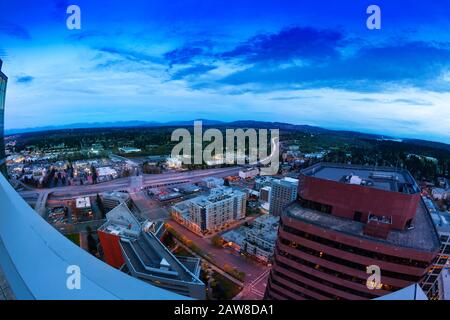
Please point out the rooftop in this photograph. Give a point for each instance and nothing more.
(148, 255)
(422, 237)
(441, 219)
(264, 227)
(384, 178)
(216, 195)
(122, 196)
(121, 222)
(83, 202)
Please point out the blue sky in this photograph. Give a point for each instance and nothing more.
(303, 62)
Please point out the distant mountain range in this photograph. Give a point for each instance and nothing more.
(115, 124)
(233, 124)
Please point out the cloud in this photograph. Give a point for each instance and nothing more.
(183, 55)
(14, 30)
(24, 79)
(289, 44)
(195, 70)
(369, 69)
(188, 52)
(309, 58)
(130, 55)
(414, 102)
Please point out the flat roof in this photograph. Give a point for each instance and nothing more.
(384, 178)
(84, 202)
(422, 237)
(117, 195)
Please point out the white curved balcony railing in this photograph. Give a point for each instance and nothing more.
(34, 258)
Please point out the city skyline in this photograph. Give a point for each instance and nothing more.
(300, 63)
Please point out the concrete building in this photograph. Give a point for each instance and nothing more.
(283, 192)
(444, 285)
(260, 239)
(220, 207)
(83, 207)
(213, 182)
(112, 199)
(211, 212)
(3, 81)
(180, 213)
(440, 194)
(174, 163)
(263, 181)
(129, 150)
(125, 241)
(248, 173)
(441, 220)
(348, 218)
(106, 173)
(264, 194)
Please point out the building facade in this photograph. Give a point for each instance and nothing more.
(283, 192)
(260, 239)
(431, 283)
(347, 220)
(211, 212)
(248, 173)
(3, 81)
(111, 200)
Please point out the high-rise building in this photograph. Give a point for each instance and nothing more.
(283, 192)
(214, 211)
(3, 81)
(211, 212)
(349, 220)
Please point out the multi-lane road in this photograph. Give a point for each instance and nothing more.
(130, 184)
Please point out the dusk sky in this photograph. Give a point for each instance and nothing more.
(302, 62)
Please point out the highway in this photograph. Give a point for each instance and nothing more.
(130, 184)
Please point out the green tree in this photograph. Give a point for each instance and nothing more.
(217, 241)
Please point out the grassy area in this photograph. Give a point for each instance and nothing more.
(74, 237)
(222, 288)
